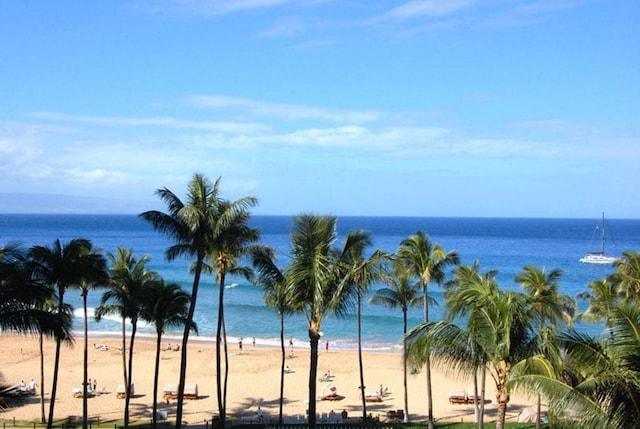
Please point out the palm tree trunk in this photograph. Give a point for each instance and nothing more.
(156, 374)
(56, 365)
(483, 382)
(362, 386)
(85, 362)
(42, 413)
(404, 366)
(128, 389)
(282, 350)
(185, 340)
(226, 368)
(502, 408)
(428, 365)
(124, 350)
(221, 333)
(314, 338)
(538, 419)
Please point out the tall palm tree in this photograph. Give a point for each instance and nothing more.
(548, 306)
(166, 305)
(26, 305)
(359, 273)
(499, 332)
(404, 293)
(317, 288)
(459, 306)
(128, 288)
(188, 224)
(231, 239)
(427, 261)
(93, 273)
(59, 267)
(277, 296)
(205, 227)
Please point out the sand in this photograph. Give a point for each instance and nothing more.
(254, 377)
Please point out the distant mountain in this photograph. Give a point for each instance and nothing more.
(70, 204)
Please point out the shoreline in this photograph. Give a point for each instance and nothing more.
(232, 341)
(254, 381)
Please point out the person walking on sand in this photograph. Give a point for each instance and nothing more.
(326, 345)
(240, 345)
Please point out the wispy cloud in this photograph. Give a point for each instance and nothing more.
(284, 111)
(428, 8)
(164, 122)
(218, 7)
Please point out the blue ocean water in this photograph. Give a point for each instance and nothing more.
(502, 244)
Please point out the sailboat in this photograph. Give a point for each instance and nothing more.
(599, 257)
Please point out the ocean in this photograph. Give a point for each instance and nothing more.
(502, 244)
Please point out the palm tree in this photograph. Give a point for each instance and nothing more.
(459, 305)
(204, 227)
(93, 273)
(26, 306)
(498, 333)
(314, 278)
(188, 224)
(59, 266)
(128, 288)
(166, 305)
(231, 239)
(404, 293)
(277, 296)
(548, 306)
(427, 261)
(603, 297)
(359, 274)
(604, 383)
(627, 276)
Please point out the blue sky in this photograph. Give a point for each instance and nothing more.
(347, 107)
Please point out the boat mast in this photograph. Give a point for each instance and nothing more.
(603, 237)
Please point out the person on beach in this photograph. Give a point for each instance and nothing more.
(326, 345)
(240, 345)
(32, 387)
(254, 341)
(260, 415)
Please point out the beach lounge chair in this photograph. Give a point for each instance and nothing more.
(170, 391)
(121, 391)
(330, 393)
(77, 393)
(190, 391)
(471, 396)
(457, 396)
(372, 397)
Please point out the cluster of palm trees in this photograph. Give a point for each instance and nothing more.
(514, 337)
(33, 285)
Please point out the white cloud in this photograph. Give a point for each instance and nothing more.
(165, 122)
(218, 7)
(428, 8)
(285, 111)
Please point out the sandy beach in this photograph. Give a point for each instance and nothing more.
(254, 377)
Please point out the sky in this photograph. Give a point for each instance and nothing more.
(466, 108)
